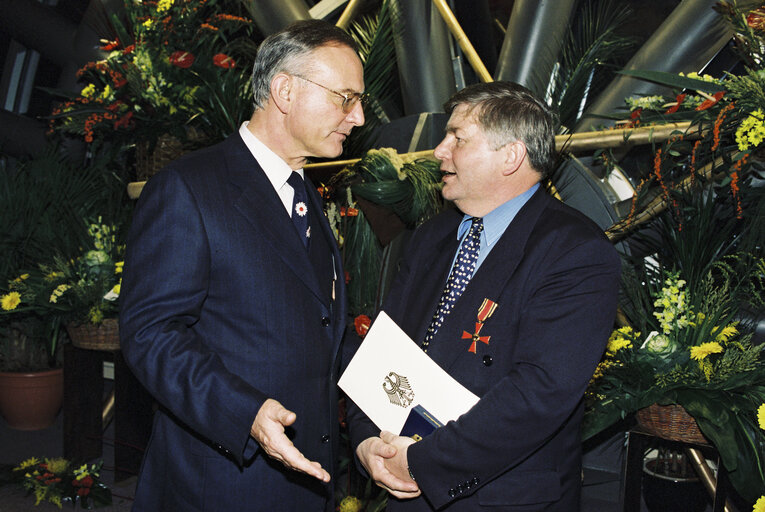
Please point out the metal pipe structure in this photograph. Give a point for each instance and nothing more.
(687, 40)
(273, 15)
(579, 142)
(706, 475)
(462, 39)
(536, 29)
(422, 53)
(348, 14)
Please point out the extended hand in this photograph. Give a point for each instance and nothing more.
(375, 454)
(268, 431)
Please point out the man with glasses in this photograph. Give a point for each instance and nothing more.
(233, 299)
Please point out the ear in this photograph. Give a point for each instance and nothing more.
(515, 155)
(281, 87)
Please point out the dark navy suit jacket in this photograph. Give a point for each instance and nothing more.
(554, 276)
(222, 308)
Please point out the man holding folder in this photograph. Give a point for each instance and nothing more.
(514, 296)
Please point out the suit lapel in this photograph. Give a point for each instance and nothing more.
(489, 282)
(260, 205)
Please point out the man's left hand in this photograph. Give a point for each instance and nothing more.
(398, 465)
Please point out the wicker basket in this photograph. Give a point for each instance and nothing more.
(150, 158)
(670, 422)
(105, 336)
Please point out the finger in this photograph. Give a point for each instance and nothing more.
(405, 495)
(296, 460)
(388, 437)
(286, 417)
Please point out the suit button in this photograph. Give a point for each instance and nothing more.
(487, 360)
(325, 438)
(474, 481)
(324, 321)
(452, 493)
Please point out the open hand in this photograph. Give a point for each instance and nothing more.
(268, 431)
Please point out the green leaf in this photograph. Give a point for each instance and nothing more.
(674, 80)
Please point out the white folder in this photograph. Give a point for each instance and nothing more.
(390, 374)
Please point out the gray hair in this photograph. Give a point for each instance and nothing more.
(285, 52)
(508, 112)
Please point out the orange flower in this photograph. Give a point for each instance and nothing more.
(693, 161)
(223, 61)
(678, 101)
(718, 123)
(711, 102)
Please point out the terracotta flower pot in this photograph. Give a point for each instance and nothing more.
(31, 401)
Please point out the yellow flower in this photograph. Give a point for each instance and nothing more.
(22, 277)
(760, 505)
(350, 504)
(57, 465)
(116, 288)
(53, 276)
(27, 463)
(702, 351)
(725, 333)
(95, 315)
(10, 301)
(751, 132)
(58, 292)
(164, 5)
(88, 91)
(118, 267)
(761, 416)
(148, 23)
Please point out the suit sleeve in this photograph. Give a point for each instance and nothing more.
(565, 321)
(167, 268)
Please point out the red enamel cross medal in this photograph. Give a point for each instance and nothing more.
(484, 312)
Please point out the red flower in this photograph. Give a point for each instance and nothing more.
(83, 491)
(223, 61)
(124, 121)
(709, 103)
(111, 45)
(362, 323)
(635, 114)
(182, 59)
(352, 212)
(347, 277)
(673, 108)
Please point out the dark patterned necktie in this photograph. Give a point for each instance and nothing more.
(462, 271)
(300, 208)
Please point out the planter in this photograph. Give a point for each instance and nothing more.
(667, 491)
(31, 401)
(670, 422)
(105, 336)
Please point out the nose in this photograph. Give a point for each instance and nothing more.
(442, 150)
(356, 115)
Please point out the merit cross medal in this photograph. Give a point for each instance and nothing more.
(484, 312)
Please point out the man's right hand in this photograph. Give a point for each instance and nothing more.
(268, 431)
(373, 452)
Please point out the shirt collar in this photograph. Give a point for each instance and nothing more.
(496, 221)
(277, 171)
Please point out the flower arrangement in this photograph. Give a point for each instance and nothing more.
(176, 65)
(687, 345)
(58, 481)
(80, 290)
(85, 290)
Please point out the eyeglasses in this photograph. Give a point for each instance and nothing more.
(349, 99)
